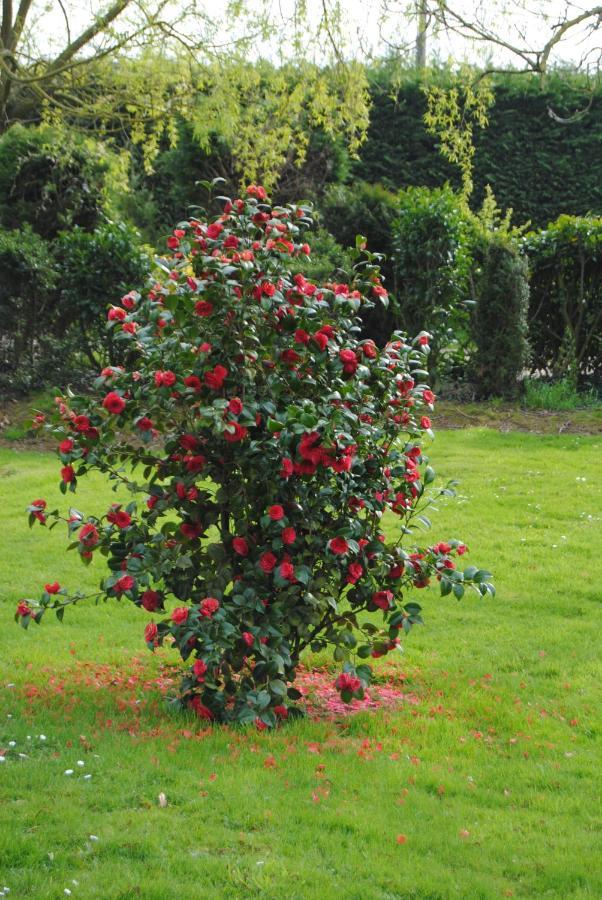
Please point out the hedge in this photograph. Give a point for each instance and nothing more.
(565, 315)
(536, 165)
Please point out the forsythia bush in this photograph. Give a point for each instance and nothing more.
(265, 440)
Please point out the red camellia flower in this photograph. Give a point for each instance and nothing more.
(23, 609)
(151, 600)
(248, 638)
(116, 314)
(339, 546)
(267, 562)
(165, 379)
(240, 546)
(425, 422)
(191, 530)
(88, 535)
(354, 572)
(214, 230)
(255, 190)
(235, 432)
(144, 423)
(276, 513)
(53, 588)
(150, 633)
(203, 308)
(290, 357)
(81, 424)
(349, 360)
(235, 406)
(37, 510)
(209, 606)
(382, 599)
(193, 382)
(320, 339)
(68, 474)
(347, 682)
(442, 547)
(281, 711)
(179, 615)
(287, 571)
(289, 535)
(287, 468)
(66, 446)
(200, 669)
(195, 463)
(188, 441)
(120, 518)
(113, 403)
(125, 583)
(215, 379)
(428, 397)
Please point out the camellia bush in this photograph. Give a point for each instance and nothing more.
(262, 441)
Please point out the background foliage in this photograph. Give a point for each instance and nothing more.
(566, 289)
(536, 165)
(400, 193)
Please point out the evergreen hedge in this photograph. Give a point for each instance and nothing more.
(536, 165)
(500, 322)
(565, 315)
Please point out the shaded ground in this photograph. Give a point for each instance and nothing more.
(508, 417)
(16, 416)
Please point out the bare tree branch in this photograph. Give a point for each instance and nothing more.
(7, 22)
(97, 27)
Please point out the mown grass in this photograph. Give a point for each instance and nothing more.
(490, 783)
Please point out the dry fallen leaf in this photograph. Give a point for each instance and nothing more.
(162, 800)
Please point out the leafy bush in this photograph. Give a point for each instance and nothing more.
(328, 261)
(91, 268)
(52, 179)
(565, 313)
(432, 264)
(265, 441)
(27, 280)
(555, 176)
(368, 210)
(500, 323)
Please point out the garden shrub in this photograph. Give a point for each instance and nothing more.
(261, 441)
(500, 323)
(565, 312)
(432, 264)
(368, 210)
(91, 268)
(559, 174)
(53, 179)
(27, 280)
(328, 259)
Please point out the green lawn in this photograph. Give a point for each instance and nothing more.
(492, 778)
